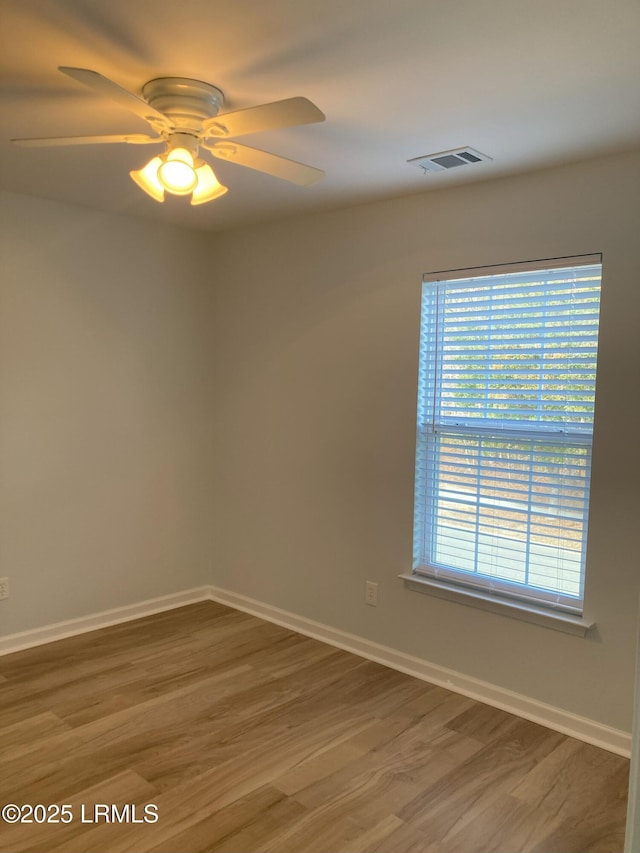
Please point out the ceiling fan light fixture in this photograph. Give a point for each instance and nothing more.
(183, 113)
(209, 187)
(147, 179)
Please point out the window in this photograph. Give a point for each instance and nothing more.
(505, 420)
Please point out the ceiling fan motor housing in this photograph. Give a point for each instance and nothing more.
(187, 103)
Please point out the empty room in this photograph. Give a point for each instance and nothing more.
(319, 459)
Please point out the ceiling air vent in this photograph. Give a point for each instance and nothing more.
(449, 159)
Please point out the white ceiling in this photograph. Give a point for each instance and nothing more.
(528, 82)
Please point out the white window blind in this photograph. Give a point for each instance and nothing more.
(505, 420)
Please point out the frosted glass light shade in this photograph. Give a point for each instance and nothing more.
(147, 179)
(209, 187)
(176, 173)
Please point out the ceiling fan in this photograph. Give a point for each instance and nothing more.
(183, 115)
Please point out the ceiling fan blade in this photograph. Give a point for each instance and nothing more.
(121, 96)
(54, 141)
(287, 113)
(261, 161)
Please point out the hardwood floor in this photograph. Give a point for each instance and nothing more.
(252, 739)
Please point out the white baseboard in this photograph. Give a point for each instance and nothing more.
(558, 719)
(582, 728)
(69, 628)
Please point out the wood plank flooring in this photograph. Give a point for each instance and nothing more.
(249, 738)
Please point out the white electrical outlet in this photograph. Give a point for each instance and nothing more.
(4, 588)
(371, 593)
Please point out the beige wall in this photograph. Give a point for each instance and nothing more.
(317, 332)
(160, 429)
(105, 486)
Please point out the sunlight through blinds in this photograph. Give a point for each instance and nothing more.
(505, 421)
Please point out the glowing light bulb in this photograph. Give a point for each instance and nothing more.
(176, 173)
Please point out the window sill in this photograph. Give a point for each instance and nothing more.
(555, 619)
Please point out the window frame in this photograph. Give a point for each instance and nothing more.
(457, 584)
